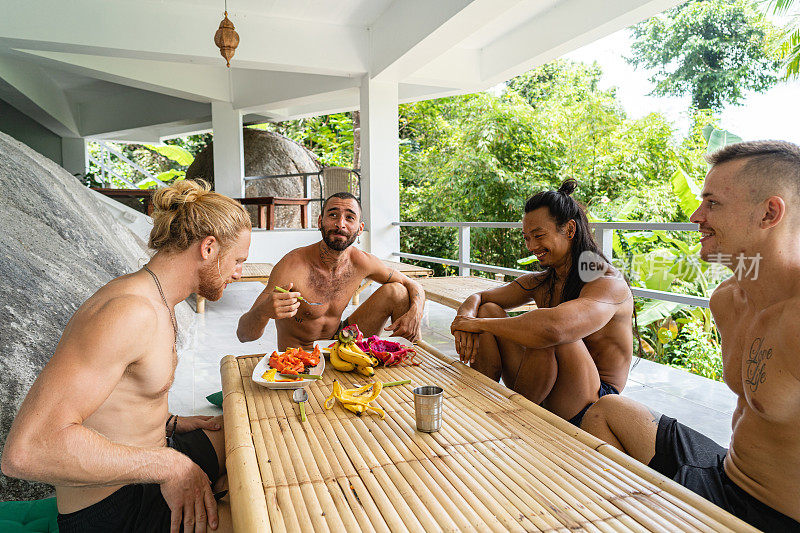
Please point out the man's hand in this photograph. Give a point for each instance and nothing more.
(407, 326)
(466, 345)
(466, 323)
(189, 497)
(283, 304)
(190, 423)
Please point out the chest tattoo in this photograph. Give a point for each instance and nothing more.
(756, 372)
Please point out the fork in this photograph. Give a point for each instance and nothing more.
(281, 289)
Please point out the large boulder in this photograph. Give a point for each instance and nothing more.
(58, 245)
(268, 153)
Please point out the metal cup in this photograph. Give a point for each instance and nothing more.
(428, 408)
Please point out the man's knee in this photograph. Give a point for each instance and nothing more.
(602, 411)
(491, 310)
(395, 292)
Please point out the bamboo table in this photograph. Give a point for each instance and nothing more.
(412, 271)
(499, 463)
(453, 290)
(250, 272)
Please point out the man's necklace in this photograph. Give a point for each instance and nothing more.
(171, 314)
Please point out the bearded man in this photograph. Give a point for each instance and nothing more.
(329, 272)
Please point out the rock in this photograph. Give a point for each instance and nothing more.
(267, 154)
(58, 245)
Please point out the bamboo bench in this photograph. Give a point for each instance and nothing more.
(451, 291)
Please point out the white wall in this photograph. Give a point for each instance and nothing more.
(269, 246)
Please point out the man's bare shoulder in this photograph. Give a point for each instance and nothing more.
(725, 298)
(610, 287)
(298, 255)
(113, 317)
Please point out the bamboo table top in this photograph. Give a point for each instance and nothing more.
(453, 290)
(499, 463)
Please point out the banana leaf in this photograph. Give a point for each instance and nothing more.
(656, 310)
(686, 190)
(174, 153)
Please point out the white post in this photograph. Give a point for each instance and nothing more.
(605, 238)
(463, 250)
(74, 155)
(228, 149)
(380, 165)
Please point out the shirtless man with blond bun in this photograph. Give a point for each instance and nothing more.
(329, 272)
(96, 424)
(750, 220)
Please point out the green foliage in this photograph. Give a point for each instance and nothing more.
(173, 152)
(788, 45)
(713, 50)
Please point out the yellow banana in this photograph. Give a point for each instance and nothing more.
(338, 363)
(356, 400)
(366, 371)
(347, 353)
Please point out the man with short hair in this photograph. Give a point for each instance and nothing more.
(749, 214)
(95, 423)
(329, 272)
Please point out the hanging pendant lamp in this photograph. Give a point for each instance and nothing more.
(226, 39)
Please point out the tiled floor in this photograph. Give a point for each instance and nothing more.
(700, 403)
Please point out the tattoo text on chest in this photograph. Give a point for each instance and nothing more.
(756, 373)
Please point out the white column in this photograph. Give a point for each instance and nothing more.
(228, 149)
(74, 156)
(380, 166)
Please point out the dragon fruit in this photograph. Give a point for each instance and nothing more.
(389, 353)
(350, 334)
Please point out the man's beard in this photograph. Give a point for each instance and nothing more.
(211, 283)
(336, 244)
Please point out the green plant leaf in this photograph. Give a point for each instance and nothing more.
(170, 175)
(686, 190)
(174, 153)
(719, 138)
(655, 310)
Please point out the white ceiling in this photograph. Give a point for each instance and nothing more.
(143, 69)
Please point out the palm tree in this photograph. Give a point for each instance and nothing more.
(789, 45)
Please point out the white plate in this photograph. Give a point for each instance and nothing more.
(263, 366)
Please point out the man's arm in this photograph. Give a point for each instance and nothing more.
(565, 323)
(506, 296)
(48, 442)
(270, 304)
(408, 325)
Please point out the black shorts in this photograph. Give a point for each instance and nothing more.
(605, 388)
(696, 462)
(141, 508)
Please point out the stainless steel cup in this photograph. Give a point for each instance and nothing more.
(428, 408)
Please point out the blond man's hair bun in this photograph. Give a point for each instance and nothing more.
(189, 211)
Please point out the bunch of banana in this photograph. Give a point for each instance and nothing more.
(356, 400)
(346, 357)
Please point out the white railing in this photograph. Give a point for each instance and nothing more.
(604, 235)
(108, 167)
